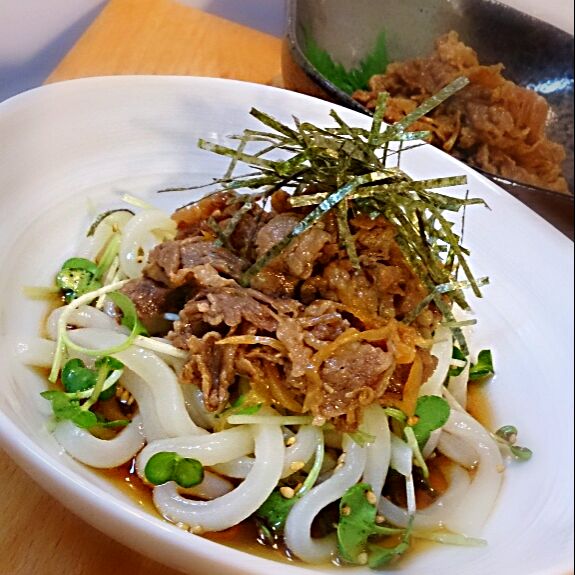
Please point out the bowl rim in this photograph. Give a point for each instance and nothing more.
(21, 447)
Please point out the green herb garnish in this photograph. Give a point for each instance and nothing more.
(484, 366)
(506, 437)
(66, 408)
(76, 277)
(457, 355)
(77, 377)
(347, 80)
(169, 466)
(380, 556)
(357, 523)
(431, 413)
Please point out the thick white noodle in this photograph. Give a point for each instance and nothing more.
(207, 449)
(235, 506)
(401, 456)
(194, 399)
(161, 380)
(94, 244)
(212, 486)
(457, 385)
(237, 468)
(35, 351)
(442, 349)
(138, 239)
(435, 515)
(296, 455)
(83, 316)
(101, 453)
(153, 428)
(298, 525)
(472, 513)
(457, 450)
(378, 452)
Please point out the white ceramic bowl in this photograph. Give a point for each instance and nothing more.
(84, 143)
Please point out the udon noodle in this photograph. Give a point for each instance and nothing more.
(291, 394)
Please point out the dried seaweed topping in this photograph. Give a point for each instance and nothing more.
(351, 170)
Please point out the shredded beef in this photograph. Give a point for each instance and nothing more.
(492, 123)
(152, 301)
(352, 377)
(307, 300)
(211, 366)
(172, 262)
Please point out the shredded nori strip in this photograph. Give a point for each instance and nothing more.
(101, 217)
(348, 170)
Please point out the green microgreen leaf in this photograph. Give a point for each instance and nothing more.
(484, 366)
(103, 367)
(274, 511)
(77, 377)
(160, 467)
(506, 437)
(66, 408)
(357, 523)
(380, 556)
(508, 433)
(76, 277)
(188, 472)
(113, 422)
(109, 363)
(167, 466)
(521, 453)
(431, 413)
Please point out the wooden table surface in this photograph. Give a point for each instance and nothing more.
(38, 536)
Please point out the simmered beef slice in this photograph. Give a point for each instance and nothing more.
(352, 377)
(172, 263)
(227, 307)
(491, 123)
(297, 260)
(152, 301)
(211, 367)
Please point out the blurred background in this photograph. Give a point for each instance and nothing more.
(36, 34)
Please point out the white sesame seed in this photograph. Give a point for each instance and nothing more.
(287, 492)
(296, 465)
(371, 498)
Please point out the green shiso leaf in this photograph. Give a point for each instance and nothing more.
(347, 80)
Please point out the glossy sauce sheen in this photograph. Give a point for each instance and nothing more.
(245, 536)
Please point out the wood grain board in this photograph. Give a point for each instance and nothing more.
(38, 535)
(164, 37)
